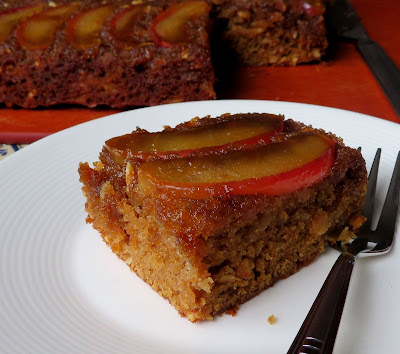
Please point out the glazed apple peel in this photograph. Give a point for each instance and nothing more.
(9, 19)
(171, 26)
(37, 24)
(273, 169)
(38, 31)
(228, 134)
(84, 29)
(122, 25)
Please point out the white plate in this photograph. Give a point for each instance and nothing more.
(63, 290)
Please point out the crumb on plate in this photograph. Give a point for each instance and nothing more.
(271, 319)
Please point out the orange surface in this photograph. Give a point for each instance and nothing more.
(343, 80)
(27, 125)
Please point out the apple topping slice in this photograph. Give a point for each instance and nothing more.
(38, 31)
(172, 25)
(236, 132)
(10, 18)
(273, 169)
(84, 29)
(121, 24)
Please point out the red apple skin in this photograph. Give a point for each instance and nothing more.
(50, 15)
(165, 15)
(276, 122)
(237, 145)
(289, 181)
(274, 185)
(71, 34)
(4, 33)
(136, 10)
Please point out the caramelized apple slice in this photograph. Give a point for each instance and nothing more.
(229, 133)
(272, 169)
(9, 19)
(171, 26)
(121, 24)
(38, 31)
(83, 30)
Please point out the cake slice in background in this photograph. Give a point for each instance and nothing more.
(145, 53)
(273, 32)
(105, 53)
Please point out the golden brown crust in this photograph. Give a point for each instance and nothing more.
(209, 255)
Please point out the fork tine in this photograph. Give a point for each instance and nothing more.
(387, 221)
(368, 208)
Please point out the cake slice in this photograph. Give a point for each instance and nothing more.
(212, 228)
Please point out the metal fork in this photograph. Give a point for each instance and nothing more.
(318, 333)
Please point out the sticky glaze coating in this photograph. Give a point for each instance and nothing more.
(200, 135)
(210, 255)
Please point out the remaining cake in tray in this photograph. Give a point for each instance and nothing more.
(213, 211)
(144, 53)
(105, 53)
(275, 32)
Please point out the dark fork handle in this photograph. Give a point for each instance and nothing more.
(384, 69)
(319, 329)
